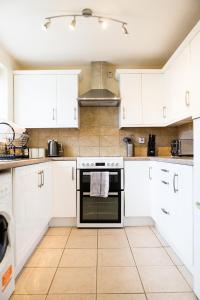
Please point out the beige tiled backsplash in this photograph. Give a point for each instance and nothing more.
(99, 135)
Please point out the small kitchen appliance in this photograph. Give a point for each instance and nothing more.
(129, 145)
(182, 147)
(95, 211)
(54, 148)
(151, 150)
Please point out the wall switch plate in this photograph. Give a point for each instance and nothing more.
(141, 140)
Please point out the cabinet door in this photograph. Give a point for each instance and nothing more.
(195, 75)
(67, 104)
(178, 85)
(26, 210)
(45, 193)
(35, 100)
(131, 106)
(182, 214)
(64, 189)
(153, 109)
(137, 201)
(196, 206)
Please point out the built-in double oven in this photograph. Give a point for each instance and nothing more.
(95, 211)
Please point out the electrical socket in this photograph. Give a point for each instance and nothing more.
(141, 140)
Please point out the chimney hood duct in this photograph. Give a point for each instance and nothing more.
(99, 95)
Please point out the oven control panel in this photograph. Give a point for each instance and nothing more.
(99, 162)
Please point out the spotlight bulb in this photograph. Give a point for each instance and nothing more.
(103, 23)
(124, 28)
(72, 25)
(46, 24)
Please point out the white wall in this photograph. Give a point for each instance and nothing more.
(7, 65)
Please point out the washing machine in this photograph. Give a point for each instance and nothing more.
(6, 236)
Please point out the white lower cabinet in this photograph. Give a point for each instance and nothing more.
(164, 192)
(64, 189)
(32, 208)
(137, 202)
(174, 208)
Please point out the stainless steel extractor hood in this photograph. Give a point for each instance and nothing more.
(99, 95)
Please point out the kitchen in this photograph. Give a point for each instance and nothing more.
(98, 186)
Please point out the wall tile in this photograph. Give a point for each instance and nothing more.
(109, 141)
(99, 135)
(89, 151)
(109, 151)
(89, 141)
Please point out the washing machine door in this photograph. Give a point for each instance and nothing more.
(3, 237)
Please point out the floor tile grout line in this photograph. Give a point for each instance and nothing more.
(136, 265)
(58, 263)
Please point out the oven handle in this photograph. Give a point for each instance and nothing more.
(109, 194)
(110, 173)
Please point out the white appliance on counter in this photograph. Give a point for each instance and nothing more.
(197, 206)
(95, 211)
(6, 236)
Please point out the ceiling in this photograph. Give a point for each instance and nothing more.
(156, 28)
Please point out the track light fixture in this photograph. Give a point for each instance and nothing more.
(87, 13)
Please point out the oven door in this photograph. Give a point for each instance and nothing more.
(115, 179)
(100, 210)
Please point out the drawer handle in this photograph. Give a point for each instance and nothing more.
(175, 183)
(165, 170)
(164, 182)
(150, 169)
(165, 211)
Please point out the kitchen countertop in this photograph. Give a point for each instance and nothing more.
(9, 164)
(167, 159)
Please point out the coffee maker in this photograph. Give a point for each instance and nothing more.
(151, 150)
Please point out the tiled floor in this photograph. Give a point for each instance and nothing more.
(106, 264)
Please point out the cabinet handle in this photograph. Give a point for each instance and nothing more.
(165, 211)
(174, 183)
(54, 114)
(164, 182)
(123, 113)
(42, 177)
(39, 179)
(75, 113)
(187, 98)
(198, 205)
(164, 112)
(165, 170)
(150, 169)
(73, 173)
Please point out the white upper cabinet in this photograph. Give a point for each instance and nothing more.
(46, 99)
(35, 100)
(195, 74)
(142, 98)
(131, 106)
(67, 105)
(177, 78)
(153, 105)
